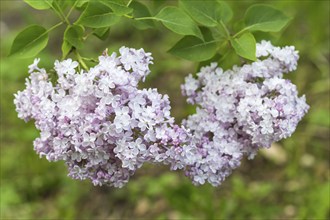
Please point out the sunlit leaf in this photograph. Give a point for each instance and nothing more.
(118, 6)
(265, 18)
(140, 10)
(178, 21)
(40, 5)
(29, 42)
(245, 46)
(193, 48)
(66, 48)
(81, 3)
(208, 13)
(98, 15)
(74, 35)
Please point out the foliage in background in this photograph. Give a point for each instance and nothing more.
(204, 25)
(292, 182)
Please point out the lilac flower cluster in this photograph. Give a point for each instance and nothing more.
(98, 122)
(105, 128)
(240, 110)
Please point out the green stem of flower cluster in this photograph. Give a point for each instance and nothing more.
(130, 1)
(89, 59)
(55, 26)
(61, 13)
(71, 9)
(58, 11)
(80, 60)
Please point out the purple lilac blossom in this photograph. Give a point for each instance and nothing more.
(239, 111)
(98, 121)
(105, 128)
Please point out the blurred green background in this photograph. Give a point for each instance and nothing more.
(289, 181)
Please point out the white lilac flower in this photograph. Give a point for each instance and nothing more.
(105, 128)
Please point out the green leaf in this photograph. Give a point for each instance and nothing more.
(118, 7)
(29, 42)
(193, 48)
(219, 33)
(101, 33)
(207, 34)
(140, 10)
(214, 59)
(98, 15)
(40, 5)
(74, 36)
(245, 46)
(66, 48)
(228, 58)
(81, 3)
(158, 3)
(265, 18)
(178, 21)
(207, 13)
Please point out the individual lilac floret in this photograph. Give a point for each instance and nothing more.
(240, 111)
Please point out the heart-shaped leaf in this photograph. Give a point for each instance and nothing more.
(66, 48)
(140, 10)
(178, 21)
(118, 6)
(81, 3)
(245, 46)
(98, 15)
(29, 42)
(193, 48)
(207, 13)
(74, 35)
(265, 18)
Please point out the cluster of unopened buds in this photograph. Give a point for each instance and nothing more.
(105, 128)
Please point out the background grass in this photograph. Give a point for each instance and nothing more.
(290, 181)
